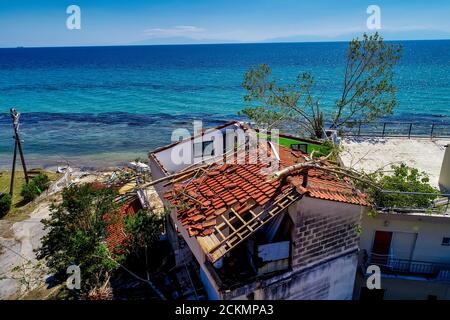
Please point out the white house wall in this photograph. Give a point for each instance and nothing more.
(430, 231)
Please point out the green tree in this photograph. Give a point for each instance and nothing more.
(368, 91)
(143, 229)
(76, 235)
(279, 104)
(403, 179)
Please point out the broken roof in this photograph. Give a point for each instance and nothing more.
(206, 201)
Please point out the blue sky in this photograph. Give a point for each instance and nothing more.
(109, 22)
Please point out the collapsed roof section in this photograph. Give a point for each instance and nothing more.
(223, 204)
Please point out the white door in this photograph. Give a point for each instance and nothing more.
(403, 244)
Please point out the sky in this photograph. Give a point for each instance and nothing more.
(134, 22)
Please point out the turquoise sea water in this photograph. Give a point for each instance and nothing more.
(112, 103)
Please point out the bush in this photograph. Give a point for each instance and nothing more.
(35, 187)
(77, 233)
(42, 182)
(405, 179)
(5, 204)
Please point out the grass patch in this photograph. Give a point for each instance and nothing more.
(287, 142)
(19, 181)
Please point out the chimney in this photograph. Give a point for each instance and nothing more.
(305, 178)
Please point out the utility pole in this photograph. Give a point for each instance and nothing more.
(17, 145)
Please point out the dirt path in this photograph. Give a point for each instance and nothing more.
(18, 245)
(20, 235)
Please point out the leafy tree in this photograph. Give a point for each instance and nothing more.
(5, 204)
(404, 179)
(368, 91)
(144, 229)
(279, 104)
(76, 235)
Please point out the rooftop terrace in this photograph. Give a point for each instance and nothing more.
(371, 154)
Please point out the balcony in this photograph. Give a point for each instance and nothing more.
(403, 267)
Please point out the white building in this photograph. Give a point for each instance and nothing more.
(252, 237)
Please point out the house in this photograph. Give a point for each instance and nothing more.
(412, 251)
(411, 248)
(253, 236)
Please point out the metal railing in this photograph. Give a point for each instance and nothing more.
(440, 203)
(406, 267)
(397, 129)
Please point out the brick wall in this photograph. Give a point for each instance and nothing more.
(323, 229)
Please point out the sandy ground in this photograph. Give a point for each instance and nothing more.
(18, 251)
(372, 154)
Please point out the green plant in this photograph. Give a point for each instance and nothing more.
(42, 182)
(35, 187)
(5, 204)
(77, 235)
(144, 227)
(368, 91)
(279, 104)
(29, 192)
(403, 179)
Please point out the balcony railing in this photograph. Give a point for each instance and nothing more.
(425, 269)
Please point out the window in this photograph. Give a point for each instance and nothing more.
(446, 241)
(303, 147)
(204, 149)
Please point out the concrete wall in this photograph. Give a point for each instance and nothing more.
(324, 255)
(181, 155)
(430, 231)
(407, 288)
(330, 280)
(157, 173)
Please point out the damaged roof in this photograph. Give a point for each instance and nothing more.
(241, 187)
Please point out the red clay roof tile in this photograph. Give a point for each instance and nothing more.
(243, 186)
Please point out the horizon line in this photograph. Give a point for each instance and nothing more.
(204, 44)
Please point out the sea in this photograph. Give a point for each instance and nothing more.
(101, 106)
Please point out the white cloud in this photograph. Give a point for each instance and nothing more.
(176, 31)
